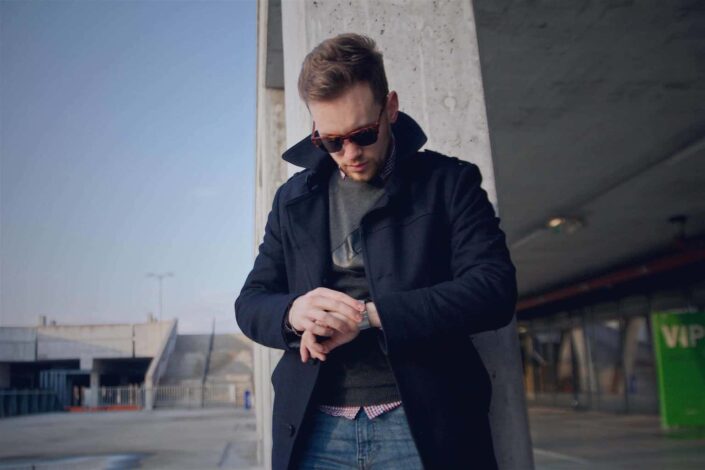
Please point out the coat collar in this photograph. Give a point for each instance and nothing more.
(308, 212)
(409, 139)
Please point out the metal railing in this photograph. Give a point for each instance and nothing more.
(23, 402)
(170, 396)
(199, 396)
(121, 396)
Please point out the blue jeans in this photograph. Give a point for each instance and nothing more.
(333, 443)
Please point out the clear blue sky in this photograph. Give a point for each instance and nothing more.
(127, 147)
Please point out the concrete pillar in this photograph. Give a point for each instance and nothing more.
(148, 396)
(629, 354)
(95, 387)
(581, 359)
(529, 358)
(631, 343)
(432, 61)
(565, 358)
(271, 172)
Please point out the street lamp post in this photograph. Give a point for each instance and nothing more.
(160, 277)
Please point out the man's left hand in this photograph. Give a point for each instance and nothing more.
(310, 347)
(338, 339)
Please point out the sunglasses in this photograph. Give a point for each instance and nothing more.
(362, 136)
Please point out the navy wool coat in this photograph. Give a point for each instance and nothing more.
(438, 270)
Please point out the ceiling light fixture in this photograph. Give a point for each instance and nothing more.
(567, 225)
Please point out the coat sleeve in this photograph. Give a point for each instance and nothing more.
(482, 292)
(265, 299)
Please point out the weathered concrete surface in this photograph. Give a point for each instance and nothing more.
(188, 360)
(271, 172)
(431, 59)
(584, 440)
(198, 439)
(231, 360)
(596, 111)
(148, 337)
(178, 439)
(84, 342)
(18, 344)
(75, 341)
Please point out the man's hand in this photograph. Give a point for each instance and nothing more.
(338, 339)
(310, 347)
(325, 312)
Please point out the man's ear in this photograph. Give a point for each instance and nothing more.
(392, 106)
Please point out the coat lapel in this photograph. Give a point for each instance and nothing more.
(308, 219)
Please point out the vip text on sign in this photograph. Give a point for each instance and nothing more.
(679, 345)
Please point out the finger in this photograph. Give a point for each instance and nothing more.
(341, 297)
(321, 356)
(321, 330)
(313, 345)
(352, 324)
(340, 322)
(329, 345)
(318, 355)
(324, 318)
(303, 351)
(316, 329)
(333, 320)
(333, 305)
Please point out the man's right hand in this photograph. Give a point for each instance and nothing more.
(322, 310)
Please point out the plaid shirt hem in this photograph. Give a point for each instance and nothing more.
(349, 412)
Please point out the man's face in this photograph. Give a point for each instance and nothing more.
(353, 110)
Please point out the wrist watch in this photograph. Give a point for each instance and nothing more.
(365, 323)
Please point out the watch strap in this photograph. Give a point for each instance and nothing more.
(365, 323)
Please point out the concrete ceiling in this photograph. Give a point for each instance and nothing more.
(596, 111)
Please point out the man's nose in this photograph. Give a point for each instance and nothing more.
(351, 149)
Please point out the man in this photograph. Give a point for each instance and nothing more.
(378, 262)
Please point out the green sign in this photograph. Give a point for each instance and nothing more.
(679, 344)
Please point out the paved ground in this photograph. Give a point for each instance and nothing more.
(205, 439)
(161, 439)
(565, 439)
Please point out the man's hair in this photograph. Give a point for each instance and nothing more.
(340, 62)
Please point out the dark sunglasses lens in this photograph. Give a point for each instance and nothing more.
(335, 144)
(366, 137)
(332, 145)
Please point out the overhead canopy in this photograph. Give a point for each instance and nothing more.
(596, 113)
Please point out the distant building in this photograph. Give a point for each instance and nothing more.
(141, 364)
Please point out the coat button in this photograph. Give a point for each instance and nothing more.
(291, 428)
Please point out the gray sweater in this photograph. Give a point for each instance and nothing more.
(356, 373)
